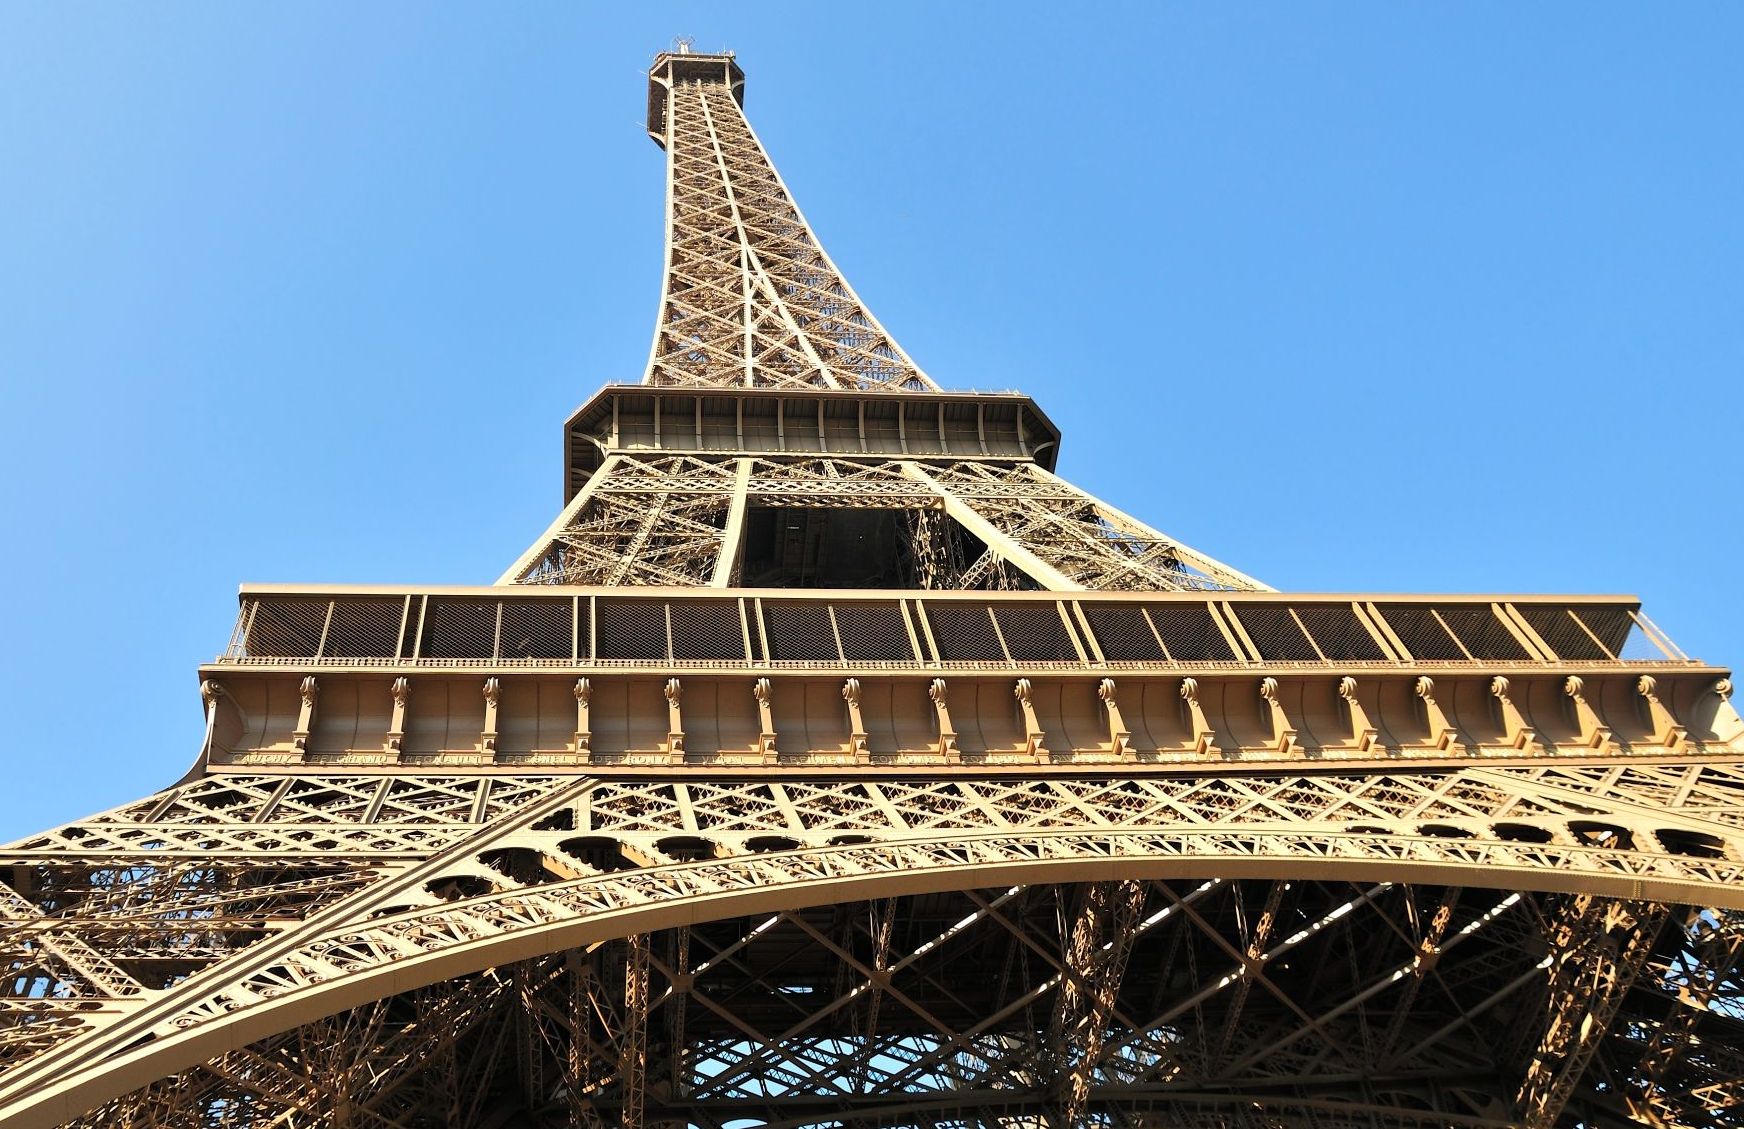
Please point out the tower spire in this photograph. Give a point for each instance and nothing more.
(881, 478)
(750, 299)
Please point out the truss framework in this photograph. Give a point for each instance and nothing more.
(750, 299)
(678, 520)
(462, 882)
(1511, 897)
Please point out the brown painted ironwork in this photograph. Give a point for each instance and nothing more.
(832, 762)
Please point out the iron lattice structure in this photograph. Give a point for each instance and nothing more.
(831, 762)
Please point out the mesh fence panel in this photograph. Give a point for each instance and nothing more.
(1484, 635)
(873, 633)
(1190, 634)
(1275, 634)
(800, 633)
(964, 633)
(1035, 633)
(460, 629)
(707, 629)
(1417, 628)
(286, 628)
(1341, 634)
(1615, 629)
(364, 629)
(1642, 641)
(538, 629)
(1123, 633)
(1557, 627)
(630, 629)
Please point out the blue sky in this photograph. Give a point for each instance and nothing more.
(1355, 297)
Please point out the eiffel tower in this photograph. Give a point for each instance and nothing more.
(830, 761)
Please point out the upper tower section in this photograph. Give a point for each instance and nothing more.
(750, 299)
(673, 67)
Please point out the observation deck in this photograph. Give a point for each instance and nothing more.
(1022, 681)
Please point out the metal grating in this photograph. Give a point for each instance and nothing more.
(538, 629)
(630, 630)
(1340, 635)
(286, 628)
(1035, 633)
(1617, 632)
(800, 633)
(1643, 641)
(1190, 634)
(1123, 633)
(1422, 634)
(1276, 635)
(1559, 628)
(364, 629)
(873, 633)
(707, 630)
(1485, 636)
(964, 633)
(459, 629)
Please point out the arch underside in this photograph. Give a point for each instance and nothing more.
(1457, 946)
(1179, 1001)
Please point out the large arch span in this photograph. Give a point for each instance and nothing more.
(347, 962)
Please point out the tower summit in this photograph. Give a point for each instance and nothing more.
(830, 761)
(771, 387)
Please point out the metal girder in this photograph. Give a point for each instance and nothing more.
(749, 296)
(536, 864)
(764, 997)
(1597, 949)
(1464, 926)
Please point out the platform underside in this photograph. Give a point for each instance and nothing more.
(1483, 944)
(1179, 1002)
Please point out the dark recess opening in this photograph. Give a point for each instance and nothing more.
(804, 547)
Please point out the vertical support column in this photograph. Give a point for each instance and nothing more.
(947, 734)
(583, 723)
(1035, 741)
(881, 928)
(1097, 949)
(487, 740)
(633, 1046)
(589, 1053)
(763, 692)
(402, 693)
(857, 745)
(677, 1008)
(1252, 963)
(310, 690)
(529, 1044)
(1598, 946)
(674, 722)
(210, 692)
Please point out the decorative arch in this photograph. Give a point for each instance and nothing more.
(318, 972)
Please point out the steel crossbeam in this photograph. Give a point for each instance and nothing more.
(1037, 818)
